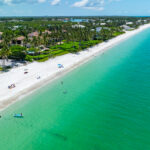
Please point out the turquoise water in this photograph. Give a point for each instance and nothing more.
(102, 105)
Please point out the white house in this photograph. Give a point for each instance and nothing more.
(126, 28)
(129, 23)
(98, 29)
(78, 26)
(102, 24)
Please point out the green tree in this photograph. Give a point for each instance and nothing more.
(4, 53)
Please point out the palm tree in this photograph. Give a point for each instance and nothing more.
(4, 53)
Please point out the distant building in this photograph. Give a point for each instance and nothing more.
(46, 32)
(102, 19)
(129, 23)
(19, 40)
(66, 19)
(78, 26)
(109, 21)
(15, 27)
(98, 29)
(139, 22)
(33, 34)
(106, 28)
(102, 24)
(126, 28)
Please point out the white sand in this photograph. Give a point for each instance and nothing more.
(48, 70)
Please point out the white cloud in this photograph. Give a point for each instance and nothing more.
(90, 4)
(93, 4)
(8, 2)
(55, 2)
(95, 8)
(81, 3)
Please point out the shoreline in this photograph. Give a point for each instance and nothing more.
(48, 71)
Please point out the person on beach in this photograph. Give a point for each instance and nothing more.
(12, 86)
(38, 77)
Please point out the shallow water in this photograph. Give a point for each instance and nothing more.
(102, 105)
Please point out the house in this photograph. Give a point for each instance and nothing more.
(98, 29)
(102, 24)
(15, 27)
(28, 45)
(129, 23)
(46, 32)
(106, 28)
(139, 21)
(19, 40)
(102, 19)
(109, 21)
(78, 26)
(126, 28)
(1, 33)
(33, 34)
(66, 19)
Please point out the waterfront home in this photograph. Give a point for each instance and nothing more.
(126, 28)
(139, 22)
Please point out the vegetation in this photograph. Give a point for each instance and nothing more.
(40, 38)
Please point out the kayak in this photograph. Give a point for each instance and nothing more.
(18, 115)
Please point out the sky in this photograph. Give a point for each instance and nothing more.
(74, 7)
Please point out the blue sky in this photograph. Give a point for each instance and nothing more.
(74, 7)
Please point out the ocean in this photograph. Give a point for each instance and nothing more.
(102, 105)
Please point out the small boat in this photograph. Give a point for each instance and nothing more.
(18, 115)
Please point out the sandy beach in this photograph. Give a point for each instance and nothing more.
(48, 71)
